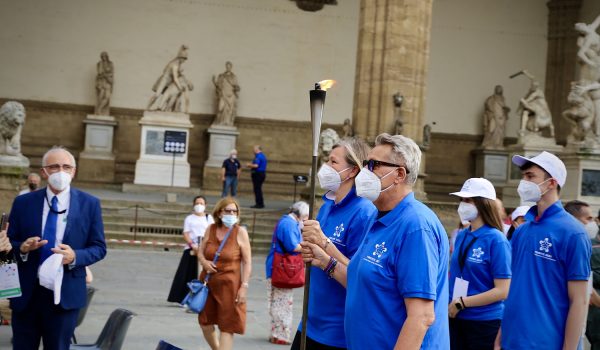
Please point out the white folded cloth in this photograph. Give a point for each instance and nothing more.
(51, 274)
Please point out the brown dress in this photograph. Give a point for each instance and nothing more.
(221, 308)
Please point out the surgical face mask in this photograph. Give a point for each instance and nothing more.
(301, 224)
(199, 208)
(329, 178)
(368, 184)
(229, 220)
(32, 186)
(467, 211)
(530, 191)
(592, 229)
(59, 180)
(233, 156)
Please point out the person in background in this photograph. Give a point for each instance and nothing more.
(229, 277)
(230, 174)
(194, 227)
(548, 297)
(286, 236)
(259, 173)
(583, 212)
(33, 183)
(517, 219)
(340, 227)
(503, 216)
(480, 264)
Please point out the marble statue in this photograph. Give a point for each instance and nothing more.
(12, 118)
(227, 89)
(329, 137)
(581, 113)
(588, 41)
(170, 75)
(104, 84)
(533, 109)
(398, 118)
(176, 99)
(426, 136)
(495, 115)
(347, 129)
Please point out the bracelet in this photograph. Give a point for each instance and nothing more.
(463, 302)
(332, 270)
(245, 284)
(327, 241)
(330, 267)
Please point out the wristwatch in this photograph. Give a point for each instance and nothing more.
(458, 306)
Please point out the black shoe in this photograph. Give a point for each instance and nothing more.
(257, 206)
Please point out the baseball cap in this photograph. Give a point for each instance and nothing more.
(476, 187)
(547, 161)
(519, 211)
(51, 273)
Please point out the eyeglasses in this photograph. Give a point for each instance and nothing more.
(372, 164)
(54, 168)
(230, 211)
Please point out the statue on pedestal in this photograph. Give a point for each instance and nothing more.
(347, 129)
(581, 113)
(533, 109)
(104, 84)
(227, 89)
(177, 98)
(495, 115)
(329, 137)
(170, 76)
(398, 119)
(12, 118)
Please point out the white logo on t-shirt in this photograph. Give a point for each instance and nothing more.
(478, 252)
(379, 250)
(338, 230)
(545, 245)
(544, 250)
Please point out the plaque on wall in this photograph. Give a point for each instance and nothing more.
(590, 183)
(495, 167)
(155, 141)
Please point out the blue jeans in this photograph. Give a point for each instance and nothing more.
(231, 181)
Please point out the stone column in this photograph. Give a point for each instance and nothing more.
(561, 60)
(393, 54)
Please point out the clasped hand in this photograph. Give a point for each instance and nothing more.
(34, 243)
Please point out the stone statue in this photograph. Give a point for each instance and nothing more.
(12, 118)
(329, 137)
(398, 118)
(426, 136)
(581, 114)
(495, 115)
(588, 41)
(105, 71)
(174, 99)
(534, 110)
(227, 89)
(347, 129)
(170, 75)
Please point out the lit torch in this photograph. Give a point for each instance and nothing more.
(317, 102)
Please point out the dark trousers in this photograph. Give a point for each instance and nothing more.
(311, 344)
(473, 335)
(231, 181)
(43, 320)
(257, 181)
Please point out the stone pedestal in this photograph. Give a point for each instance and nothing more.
(492, 164)
(583, 178)
(12, 171)
(154, 167)
(97, 161)
(222, 139)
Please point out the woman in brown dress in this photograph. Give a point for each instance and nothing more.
(229, 277)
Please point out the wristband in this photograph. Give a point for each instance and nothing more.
(463, 303)
(332, 269)
(245, 285)
(327, 241)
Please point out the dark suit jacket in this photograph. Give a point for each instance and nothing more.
(84, 233)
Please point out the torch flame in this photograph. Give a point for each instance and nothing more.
(326, 84)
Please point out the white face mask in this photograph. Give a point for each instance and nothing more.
(467, 211)
(329, 178)
(592, 229)
(229, 220)
(199, 208)
(368, 184)
(530, 191)
(60, 180)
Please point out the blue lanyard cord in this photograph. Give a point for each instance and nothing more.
(462, 256)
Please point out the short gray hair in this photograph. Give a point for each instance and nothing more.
(56, 149)
(300, 208)
(404, 152)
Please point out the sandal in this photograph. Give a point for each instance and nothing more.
(278, 341)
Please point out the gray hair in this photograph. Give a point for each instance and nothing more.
(300, 208)
(404, 151)
(356, 150)
(57, 149)
(34, 175)
(233, 151)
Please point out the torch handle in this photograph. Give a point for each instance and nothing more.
(307, 267)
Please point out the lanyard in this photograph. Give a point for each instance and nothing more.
(462, 256)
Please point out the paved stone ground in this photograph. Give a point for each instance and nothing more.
(139, 280)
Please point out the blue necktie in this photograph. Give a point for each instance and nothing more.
(50, 230)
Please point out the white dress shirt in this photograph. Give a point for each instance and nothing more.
(64, 200)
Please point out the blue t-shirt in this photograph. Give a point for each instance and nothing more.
(261, 160)
(487, 259)
(403, 255)
(546, 255)
(345, 224)
(288, 234)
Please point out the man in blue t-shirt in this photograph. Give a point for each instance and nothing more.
(259, 173)
(230, 173)
(547, 301)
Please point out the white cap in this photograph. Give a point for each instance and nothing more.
(476, 187)
(547, 161)
(51, 273)
(519, 211)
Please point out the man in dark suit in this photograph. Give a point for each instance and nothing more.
(62, 220)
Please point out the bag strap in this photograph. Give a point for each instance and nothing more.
(219, 250)
(275, 240)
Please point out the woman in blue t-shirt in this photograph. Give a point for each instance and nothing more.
(480, 269)
(339, 230)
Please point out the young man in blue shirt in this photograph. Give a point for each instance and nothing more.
(259, 173)
(547, 301)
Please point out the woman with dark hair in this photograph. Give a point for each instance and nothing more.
(229, 277)
(480, 269)
(194, 227)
